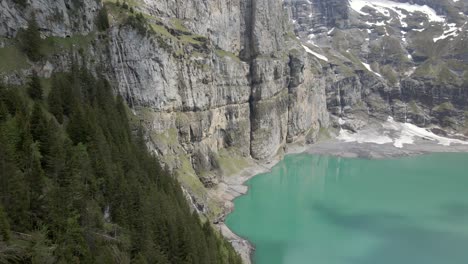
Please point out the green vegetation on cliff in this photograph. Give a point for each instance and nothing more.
(78, 186)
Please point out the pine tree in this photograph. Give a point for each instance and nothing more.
(41, 248)
(17, 202)
(3, 107)
(55, 100)
(35, 179)
(31, 40)
(4, 226)
(35, 87)
(103, 19)
(39, 125)
(72, 247)
(68, 175)
(3, 111)
(78, 127)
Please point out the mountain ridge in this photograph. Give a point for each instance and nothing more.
(219, 85)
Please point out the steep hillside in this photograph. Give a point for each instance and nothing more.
(407, 59)
(78, 187)
(214, 83)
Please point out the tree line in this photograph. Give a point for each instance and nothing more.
(78, 185)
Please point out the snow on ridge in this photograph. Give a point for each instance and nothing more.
(368, 67)
(383, 6)
(452, 31)
(320, 56)
(311, 40)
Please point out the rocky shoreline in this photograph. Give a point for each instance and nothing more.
(234, 186)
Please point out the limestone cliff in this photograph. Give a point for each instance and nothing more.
(407, 59)
(218, 83)
(214, 83)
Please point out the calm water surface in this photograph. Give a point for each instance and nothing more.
(328, 210)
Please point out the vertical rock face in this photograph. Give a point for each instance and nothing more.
(214, 82)
(403, 58)
(218, 82)
(55, 17)
(269, 71)
(311, 16)
(232, 91)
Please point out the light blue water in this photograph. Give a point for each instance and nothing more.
(328, 210)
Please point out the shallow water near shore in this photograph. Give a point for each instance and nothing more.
(324, 209)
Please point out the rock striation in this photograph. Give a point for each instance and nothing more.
(217, 84)
(399, 58)
(214, 83)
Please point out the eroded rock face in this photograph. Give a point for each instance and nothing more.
(214, 83)
(55, 17)
(390, 59)
(218, 82)
(243, 100)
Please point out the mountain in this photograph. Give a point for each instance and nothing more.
(406, 59)
(217, 85)
(214, 83)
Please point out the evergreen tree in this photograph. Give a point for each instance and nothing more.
(55, 100)
(102, 19)
(4, 226)
(31, 40)
(3, 111)
(39, 125)
(3, 108)
(41, 249)
(104, 197)
(35, 181)
(78, 127)
(72, 247)
(35, 87)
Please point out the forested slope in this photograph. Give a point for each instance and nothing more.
(77, 184)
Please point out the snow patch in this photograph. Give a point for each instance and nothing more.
(451, 31)
(403, 133)
(410, 131)
(364, 137)
(368, 67)
(383, 6)
(320, 56)
(311, 38)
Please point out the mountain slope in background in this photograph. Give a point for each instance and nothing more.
(406, 59)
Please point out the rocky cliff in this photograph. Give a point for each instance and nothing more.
(407, 59)
(214, 83)
(218, 83)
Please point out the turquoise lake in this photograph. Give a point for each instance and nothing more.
(329, 210)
